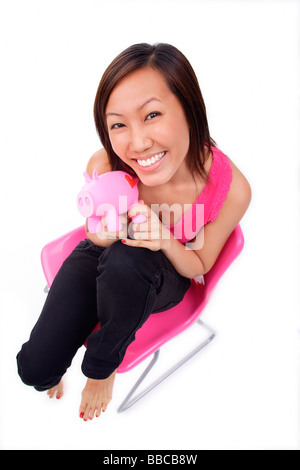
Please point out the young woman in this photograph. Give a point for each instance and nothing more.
(152, 123)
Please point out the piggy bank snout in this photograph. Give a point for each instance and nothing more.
(85, 204)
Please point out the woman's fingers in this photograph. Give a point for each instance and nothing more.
(105, 234)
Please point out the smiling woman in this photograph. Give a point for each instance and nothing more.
(151, 119)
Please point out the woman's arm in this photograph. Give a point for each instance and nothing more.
(216, 233)
(191, 261)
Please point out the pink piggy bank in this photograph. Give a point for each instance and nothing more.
(109, 195)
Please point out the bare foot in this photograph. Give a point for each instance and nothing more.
(95, 397)
(58, 389)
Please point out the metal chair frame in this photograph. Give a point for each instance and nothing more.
(131, 400)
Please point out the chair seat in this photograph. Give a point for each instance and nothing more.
(160, 327)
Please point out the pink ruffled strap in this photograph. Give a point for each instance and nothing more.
(215, 192)
(212, 197)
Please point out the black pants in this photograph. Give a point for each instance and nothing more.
(120, 286)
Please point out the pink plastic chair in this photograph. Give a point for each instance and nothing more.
(159, 328)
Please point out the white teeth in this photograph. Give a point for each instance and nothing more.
(151, 160)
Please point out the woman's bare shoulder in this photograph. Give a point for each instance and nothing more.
(240, 190)
(98, 161)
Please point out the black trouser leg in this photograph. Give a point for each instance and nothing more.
(68, 317)
(132, 284)
(120, 286)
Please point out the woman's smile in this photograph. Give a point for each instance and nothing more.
(151, 162)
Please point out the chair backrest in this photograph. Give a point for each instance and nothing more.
(55, 252)
(230, 251)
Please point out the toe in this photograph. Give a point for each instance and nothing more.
(82, 410)
(98, 411)
(59, 392)
(93, 410)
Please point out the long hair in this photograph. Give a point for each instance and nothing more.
(181, 80)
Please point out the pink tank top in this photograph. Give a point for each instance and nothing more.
(209, 202)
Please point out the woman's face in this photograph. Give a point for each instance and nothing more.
(147, 127)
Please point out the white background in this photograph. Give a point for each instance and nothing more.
(242, 392)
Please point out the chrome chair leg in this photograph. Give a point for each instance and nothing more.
(129, 401)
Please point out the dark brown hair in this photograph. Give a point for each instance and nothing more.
(181, 80)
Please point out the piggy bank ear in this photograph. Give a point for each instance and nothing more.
(95, 174)
(87, 177)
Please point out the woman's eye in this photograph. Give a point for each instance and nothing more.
(117, 126)
(151, 116)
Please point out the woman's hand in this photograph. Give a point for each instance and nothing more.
(106, 238)
(150, 234)
(105, 234)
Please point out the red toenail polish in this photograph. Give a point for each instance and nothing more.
(58, 397)
(81, 415)
(84, 419)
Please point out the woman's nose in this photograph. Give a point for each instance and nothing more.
(139, 140)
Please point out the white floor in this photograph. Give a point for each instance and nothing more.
(242, 391)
